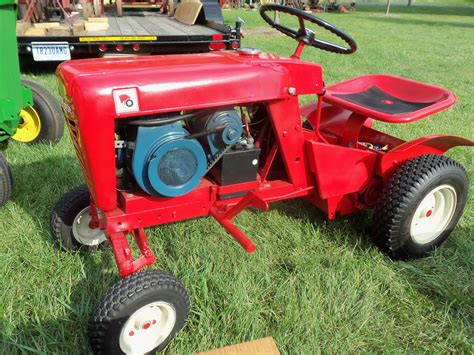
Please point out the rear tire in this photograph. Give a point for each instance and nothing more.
(139, 314)
(69, 221)
(48, 110)
(6, 181)
(420, 206)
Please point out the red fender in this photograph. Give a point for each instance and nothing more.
(435, 144)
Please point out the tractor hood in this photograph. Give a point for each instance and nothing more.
(178, 82)
(98, 92)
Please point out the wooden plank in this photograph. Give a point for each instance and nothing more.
(78, 28)
(187, 12)
(177, 26)
(190, 30)
(150, 26)
(22, 27)
(60, 31)
(96, 26)
(139, 29)
(99, 19)
(114, 29)
(46, 25)
(165, 28)
(36, 32)
(265, 346)
(125, 28)
(96, 33)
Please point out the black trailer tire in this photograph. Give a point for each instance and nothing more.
(6, 181)
(420, 206)
(49, 113)
(70, 219)
(139, 314)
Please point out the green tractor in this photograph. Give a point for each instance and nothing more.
(28, 112)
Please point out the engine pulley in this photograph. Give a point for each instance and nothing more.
(230, 131)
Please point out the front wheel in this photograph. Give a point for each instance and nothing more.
(5, 181)
(420, 206)
(42, 122)
(70, 221)
(140, 314)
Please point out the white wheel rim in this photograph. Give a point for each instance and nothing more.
(433, 214)
(83, 233)
(147, 328)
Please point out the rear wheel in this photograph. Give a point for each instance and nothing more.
(420, 206)
(41, 122)
(70, 221)
(139, 314)
(6, 181)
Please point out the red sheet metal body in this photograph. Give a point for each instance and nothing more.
(339, 165)
(170, 84)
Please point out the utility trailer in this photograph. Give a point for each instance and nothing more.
(136, 32)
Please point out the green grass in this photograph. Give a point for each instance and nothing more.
(312, 285)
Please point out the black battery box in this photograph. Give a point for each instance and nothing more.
(236, 166)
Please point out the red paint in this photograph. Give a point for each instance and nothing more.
(217, 46)
(429, 213)
(154, 321)
(146, 325)
(132, 333)
(339, 165)
(404, 89)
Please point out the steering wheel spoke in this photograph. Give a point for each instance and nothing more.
(305, 35)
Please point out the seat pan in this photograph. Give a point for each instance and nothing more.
(389, 98)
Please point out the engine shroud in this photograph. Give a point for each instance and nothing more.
(166, 163)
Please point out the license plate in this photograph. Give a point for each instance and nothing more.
(51, 51)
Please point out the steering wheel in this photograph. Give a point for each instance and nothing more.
(304, 34)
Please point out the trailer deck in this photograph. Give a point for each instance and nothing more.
(137, 32)
(150, 24)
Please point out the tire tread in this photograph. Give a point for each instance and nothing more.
(395, 197)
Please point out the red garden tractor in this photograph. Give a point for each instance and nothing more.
(167, 138)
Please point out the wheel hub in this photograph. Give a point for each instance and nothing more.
(83, 233)
(30, 125)
(147, 328)
(433, 214)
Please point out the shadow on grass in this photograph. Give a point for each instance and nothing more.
(38, 186)
(439, 277)
(67, 332)
(413, 21)
(442, 277)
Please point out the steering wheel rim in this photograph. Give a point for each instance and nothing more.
(303, 35)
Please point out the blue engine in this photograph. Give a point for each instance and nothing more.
(168, 161)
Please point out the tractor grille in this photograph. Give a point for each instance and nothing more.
(177, 167)
(71, 122)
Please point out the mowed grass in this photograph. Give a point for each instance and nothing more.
(312, 285)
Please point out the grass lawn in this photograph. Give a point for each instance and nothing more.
(312, 285)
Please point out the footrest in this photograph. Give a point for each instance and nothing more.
(389, 98)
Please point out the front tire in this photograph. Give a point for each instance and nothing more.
(6, 181)
(42, 122)
(139, 314)
(420, 206)
(70, 221)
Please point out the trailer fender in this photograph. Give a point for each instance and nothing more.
(434, 144)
